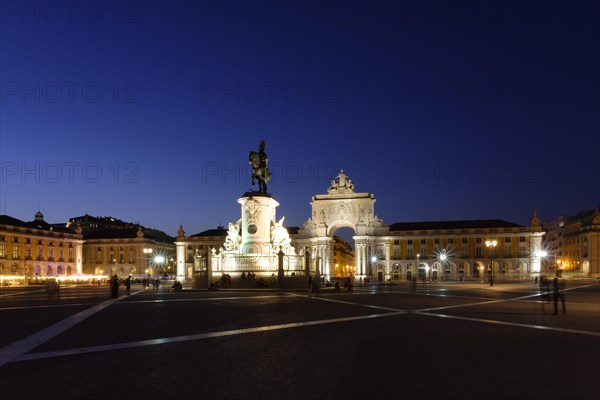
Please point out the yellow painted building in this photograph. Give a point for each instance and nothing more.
(343, 258)
(36, 250)
(573, 244)
(462, 250)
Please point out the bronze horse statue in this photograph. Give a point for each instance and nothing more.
(260, 171)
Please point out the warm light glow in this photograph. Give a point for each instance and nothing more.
(542, 253)
(491, 243)
(159, 259)
(373, 259)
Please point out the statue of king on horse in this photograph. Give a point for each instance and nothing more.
(260, 171)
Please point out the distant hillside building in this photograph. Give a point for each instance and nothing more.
(112, 246)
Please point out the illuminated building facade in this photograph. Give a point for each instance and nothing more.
(343, 258)
(37, 250)
(192, 250)
(462, 250)
(573, 244)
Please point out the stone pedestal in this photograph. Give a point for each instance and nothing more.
(258, 218)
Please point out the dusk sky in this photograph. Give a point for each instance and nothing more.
(444, 110)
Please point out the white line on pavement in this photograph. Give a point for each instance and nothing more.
(176, 339)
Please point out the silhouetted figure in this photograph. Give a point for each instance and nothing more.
(53, 289)
(177, 287)
(128, 286)
(114, 287)
(558, 286)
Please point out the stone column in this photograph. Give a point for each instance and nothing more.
(180, 260)
(387, 261)
(79, 256)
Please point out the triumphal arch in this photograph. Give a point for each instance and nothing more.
(343, 207)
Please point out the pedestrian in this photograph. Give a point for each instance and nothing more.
(316, 285)
(310, 285)
(114, 286)
(128, 286)
(558, 286)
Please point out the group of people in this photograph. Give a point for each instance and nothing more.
(115, 283)
(251, 276)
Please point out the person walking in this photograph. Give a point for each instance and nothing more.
(310, 285)
(558, 286)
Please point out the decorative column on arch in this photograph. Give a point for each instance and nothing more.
(361, 260)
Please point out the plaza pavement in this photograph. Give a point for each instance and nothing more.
(450, 341)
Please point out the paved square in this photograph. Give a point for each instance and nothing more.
(377, 342)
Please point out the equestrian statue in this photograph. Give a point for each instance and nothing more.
(260, 171)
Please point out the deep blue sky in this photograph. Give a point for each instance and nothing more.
(444, 110)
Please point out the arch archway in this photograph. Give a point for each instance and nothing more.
(342, 207)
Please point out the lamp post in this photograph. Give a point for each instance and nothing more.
(373, 261)
(417, 268)
(491, 244)
(147, 252)
(542, 254)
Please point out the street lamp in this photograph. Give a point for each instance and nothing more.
(542, 254)
(441, 264)
(373, 261)
(160, 261)
(417, 268)
(491, 244)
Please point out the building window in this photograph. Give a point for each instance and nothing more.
(423, 241)
(521, 238)
(450, 240)
(409, 241)
(15, 239)
(28, 251)
(478, 240)
(478, 251)
(507, 239)
(15, 252)
(396, 253)
(50, 252)
(409, 254)
(464, 252)
(464, 240)
(507, 251)
(2, 250)
(70, 254)
(396, 241)
(40, 250)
